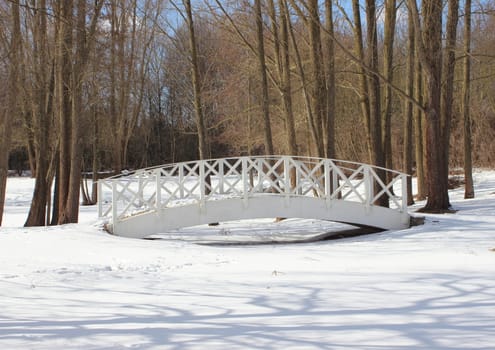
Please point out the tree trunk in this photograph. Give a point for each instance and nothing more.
(119, 86)
(282, 60)
(41, 119)
(388, 55)
(363, 83)
(5, 132)
(198, 107)
(375, 137)
(429, 36)
(468, 162)
(377, 156)
(114, 111)
(312, 128)
(408, 112)
(127, 22)
(55, 206)
(317, 75)
(96, 157)
(419, 128)
(63, 86)
(265, 103)
(13, 110)
(71, 205)
(329, 125)
(448, 72)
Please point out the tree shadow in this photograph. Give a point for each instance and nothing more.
(429, 311)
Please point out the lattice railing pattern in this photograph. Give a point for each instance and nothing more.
(200, 181)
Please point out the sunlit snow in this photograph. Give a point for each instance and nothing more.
(77, 287)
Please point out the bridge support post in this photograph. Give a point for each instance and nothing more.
(299, 188)
(158, 184)
(181, 180)
(202, 184)
(261, 170)
(286, 177)
(287, 185)
(140, 190)
(403, 185)
(245, 180)
(335, 180)
(368, 185)
(328, 185)
(221, 174)
(115, 212)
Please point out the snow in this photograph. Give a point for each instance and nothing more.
(76, 287)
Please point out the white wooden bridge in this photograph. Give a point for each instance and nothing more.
(166, 197)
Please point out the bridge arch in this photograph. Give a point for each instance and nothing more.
(166, 197)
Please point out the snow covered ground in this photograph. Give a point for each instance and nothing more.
(76, 287)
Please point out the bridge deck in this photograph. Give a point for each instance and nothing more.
(167, 197)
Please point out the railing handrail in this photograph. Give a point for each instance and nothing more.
(170, 165)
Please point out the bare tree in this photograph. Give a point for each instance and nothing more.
(329, 121)
(84, 40)
(304, 80)
(408, 110)
(282, 63)
(377, 153)
(419, 122)
(448, 71)
(63, 67)
(286, 85)
(429, 39)
(262, 71)
(313, 128)
(317, 74)
(319, 86)
(41, 108)
(129, 47)
(372, 112)
(363, 82)
(198, 106)
(388, 56)
(466, 101)
(12, 109)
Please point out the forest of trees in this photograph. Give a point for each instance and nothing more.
(100, 86)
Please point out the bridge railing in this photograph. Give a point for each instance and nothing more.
(197, 182)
